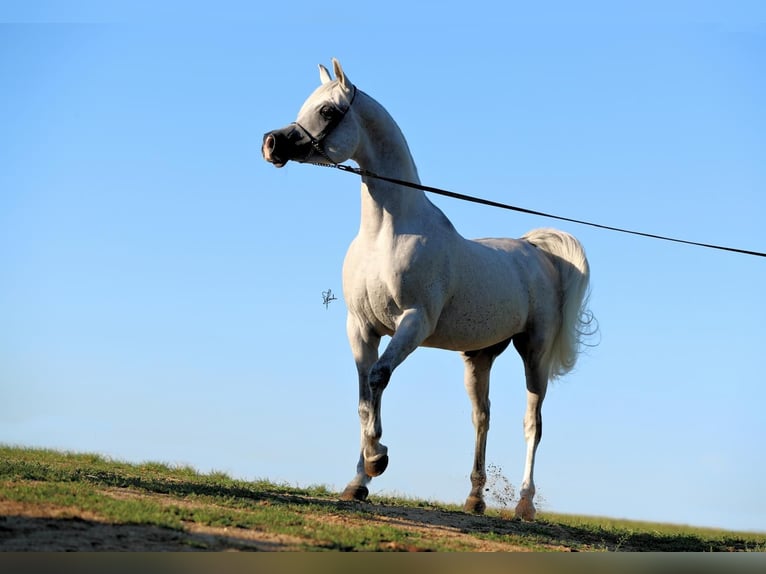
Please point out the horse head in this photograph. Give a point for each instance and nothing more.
(324, 130)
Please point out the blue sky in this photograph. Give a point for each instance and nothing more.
(161, 286)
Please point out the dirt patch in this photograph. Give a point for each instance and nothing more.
(44, 528)
(449, 528)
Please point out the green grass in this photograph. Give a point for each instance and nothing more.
(78, 482)
(171, 497)
(636, 535)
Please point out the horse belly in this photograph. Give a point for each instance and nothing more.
(504, 286)
(480, 318)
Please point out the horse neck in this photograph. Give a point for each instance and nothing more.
(384, 151)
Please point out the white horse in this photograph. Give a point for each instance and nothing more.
(410, 275)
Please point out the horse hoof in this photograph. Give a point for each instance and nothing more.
(376, 466)
(525, 510)
(474, 505)
(353, 492)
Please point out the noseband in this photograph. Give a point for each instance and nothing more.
(332, 115)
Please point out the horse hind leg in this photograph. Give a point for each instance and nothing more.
(537, 384)
(477, 369)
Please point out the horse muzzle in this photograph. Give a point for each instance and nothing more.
(285, 144)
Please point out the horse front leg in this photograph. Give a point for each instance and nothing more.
(412, 329)
(364, 347)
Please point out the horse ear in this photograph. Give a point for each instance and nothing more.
(324, 75)
(340, 75)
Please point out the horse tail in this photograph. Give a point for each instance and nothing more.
(577, 322)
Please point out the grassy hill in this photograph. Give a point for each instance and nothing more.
(53, 500)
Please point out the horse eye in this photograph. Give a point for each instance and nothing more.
(327, 112)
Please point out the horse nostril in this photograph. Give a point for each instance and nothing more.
(269, 150)
(270, 142)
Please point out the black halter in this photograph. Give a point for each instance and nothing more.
(331, 115)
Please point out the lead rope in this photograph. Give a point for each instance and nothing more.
(365, 173)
